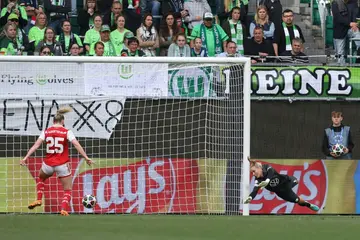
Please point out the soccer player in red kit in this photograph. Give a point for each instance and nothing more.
(56, 138)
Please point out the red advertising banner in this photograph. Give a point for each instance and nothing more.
(152, 185)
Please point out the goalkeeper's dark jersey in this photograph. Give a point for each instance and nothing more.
(277, 181)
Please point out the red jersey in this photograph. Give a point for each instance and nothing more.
(57, 149)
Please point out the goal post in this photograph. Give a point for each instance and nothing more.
(169, 135)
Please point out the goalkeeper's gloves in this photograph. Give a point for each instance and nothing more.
(264, 183)
(248, 200)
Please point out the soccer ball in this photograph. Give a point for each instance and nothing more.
(338, 149)
(89, 201)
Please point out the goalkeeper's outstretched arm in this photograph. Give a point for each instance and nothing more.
(253, 193)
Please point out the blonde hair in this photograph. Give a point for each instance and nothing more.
(60, 114)
(257, 19)
(253, 163)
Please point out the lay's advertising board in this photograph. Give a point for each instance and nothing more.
(177, 185)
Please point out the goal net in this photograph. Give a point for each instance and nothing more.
(168, 135)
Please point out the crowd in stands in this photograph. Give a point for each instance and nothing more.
(345, 25)
(174, 28)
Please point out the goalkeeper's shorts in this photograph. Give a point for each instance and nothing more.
(286, 191)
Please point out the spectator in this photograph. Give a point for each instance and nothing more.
(212, 35)
(37, 32)
(132, 15)
(198, 50)
(92, 36)
(117, 36)
(257, 46)
(14, 7)
(132, 50)
(147, 36)
(68, 38)
(57, 11)
(343, 28)
(274, 9)
(236, 30)
(86, 16)
(110, 18)
(99, 49)
(31, 13)
(285, 34)
(337, 133)
(196, 9)
(127, 37)
(74, 49)
(45, 51)
(152, 6)
(50, 41)
(353, 9)
(230, 50)
(168, 30)
(22, 39)
(240, 4)
(8, 45)
(174, 6)
(109, 49)
(295, 55)
(179, 48)
(181, 25)
(262, 20)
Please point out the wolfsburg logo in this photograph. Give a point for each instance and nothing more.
(41, 79)
(125, 71)
(191, 82)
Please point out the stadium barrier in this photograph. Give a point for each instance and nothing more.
(185, 186)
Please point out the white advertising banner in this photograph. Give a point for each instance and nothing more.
(90, 117)
(126, 79)
(41, 78)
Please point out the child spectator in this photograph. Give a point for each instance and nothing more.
(179, 48)
(198, 50)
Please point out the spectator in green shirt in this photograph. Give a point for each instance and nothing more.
(14, 7)
(92, 36)
(212, 35)
(133, 50)
(37, 32)
(8, 44)
(109, 49)
(117, 36)
(22, 40)
(67, 38)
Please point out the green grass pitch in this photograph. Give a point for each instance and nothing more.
(176, 227)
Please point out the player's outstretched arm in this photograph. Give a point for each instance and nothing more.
(253, 193)
(36, 145)
(80, 149)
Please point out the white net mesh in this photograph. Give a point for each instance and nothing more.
(156, 151)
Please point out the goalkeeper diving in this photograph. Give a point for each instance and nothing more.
(281, 184)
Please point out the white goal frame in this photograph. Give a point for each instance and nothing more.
(246, 62)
